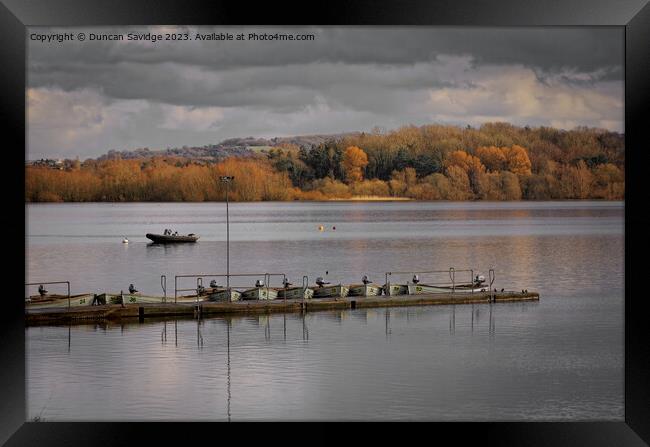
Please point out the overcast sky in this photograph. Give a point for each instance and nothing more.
(85, 98)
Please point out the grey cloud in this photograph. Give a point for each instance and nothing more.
(548, 48)
(347, 79)
(281, 88)
(287, 75)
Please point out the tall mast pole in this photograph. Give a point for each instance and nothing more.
(227, 241)
(227, 179)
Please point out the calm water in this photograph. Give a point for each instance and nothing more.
(558, 359)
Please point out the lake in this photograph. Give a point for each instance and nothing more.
(557, 359)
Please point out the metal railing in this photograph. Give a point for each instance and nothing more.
(199, 281)
(471, 277)
(305, 286)
(491, 278)
(163, 284)
(52, 282)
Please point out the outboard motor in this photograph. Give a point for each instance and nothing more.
(286, 283)
(480, 279)
(321, 282)
(365, 280)
(213, 284)
(132, 289)
(259, 283)
(41, 290)
(416, 279)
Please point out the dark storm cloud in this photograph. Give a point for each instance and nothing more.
(244, 73)
(586, 49)
(90, 96)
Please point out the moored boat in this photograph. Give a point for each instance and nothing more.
(331, 291)
(477, 286)
(53, 301)
(395, 289)
(123, 298)
(365, 289)
(288, 292)
(414, 289)
(260, 292)
(296, 293)
(171, 238)
(327, 291)
(37, 299)
(129, 298)
(224, 295)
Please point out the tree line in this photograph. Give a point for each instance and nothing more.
(496, 161)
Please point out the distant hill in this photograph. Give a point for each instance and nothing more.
(231, 147)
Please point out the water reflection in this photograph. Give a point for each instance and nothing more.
(305, 330)
(228, 323)
(387, 316)
(452, 320)
(265, 374)
(263, 323)
(199, 336)
(558, 359)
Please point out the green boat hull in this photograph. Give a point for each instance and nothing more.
(365, 290)
(331, 291)
(259, 293)
(225, 295)
(396, 289)
(415, 289)
(296, 293)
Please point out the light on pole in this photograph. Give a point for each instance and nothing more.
(227, 179)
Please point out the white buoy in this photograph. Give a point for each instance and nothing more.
(125, 241)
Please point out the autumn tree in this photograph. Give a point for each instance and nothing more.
(517, 160)
(354, 161)
(401, 181)
(497, 161)
(510, 186)
(470, 164)
(459, 183)
(440, 187)
(492, 157)
(608, 182)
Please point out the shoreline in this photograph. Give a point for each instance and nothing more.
(370, 199)
(349, 199)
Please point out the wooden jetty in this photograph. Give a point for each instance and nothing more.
(83, 314)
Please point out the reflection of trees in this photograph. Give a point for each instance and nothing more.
(228, 323)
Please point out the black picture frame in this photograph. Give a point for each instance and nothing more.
(634, 15)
